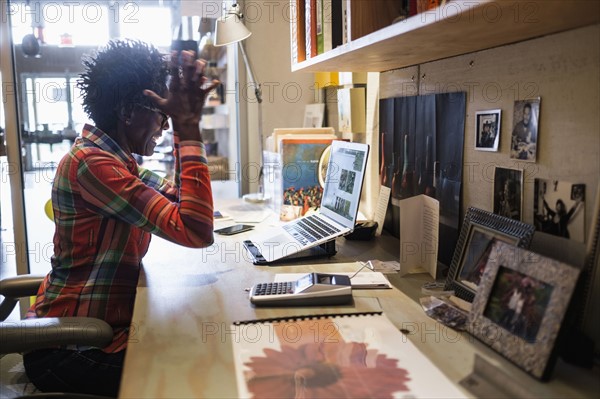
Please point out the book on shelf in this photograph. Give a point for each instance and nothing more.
(352, 110)
(336, 23)
(298, 38)
(365, 17)
(355, 355)
(327, 29)
(320, 31)
(345, 23)
(311, 28)
(426, 5)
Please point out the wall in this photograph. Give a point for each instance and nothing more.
(562, 69)
(285, 94)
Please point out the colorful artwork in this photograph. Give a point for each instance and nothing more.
(300, 167)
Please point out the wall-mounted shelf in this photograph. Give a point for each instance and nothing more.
(458, 27)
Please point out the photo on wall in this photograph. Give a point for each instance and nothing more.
(508, 193)
(559, 208)
(526, 116)
(487, 130)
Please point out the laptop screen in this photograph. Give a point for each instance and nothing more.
(343, 182)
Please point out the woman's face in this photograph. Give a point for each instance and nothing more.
(145, 129)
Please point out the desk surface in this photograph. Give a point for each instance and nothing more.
(180, 344)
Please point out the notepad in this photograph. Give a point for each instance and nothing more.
(339, 356)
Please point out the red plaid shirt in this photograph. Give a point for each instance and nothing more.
(105, 209)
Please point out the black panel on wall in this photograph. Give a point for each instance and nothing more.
(424, 156)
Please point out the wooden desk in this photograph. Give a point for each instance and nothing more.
(180, 345)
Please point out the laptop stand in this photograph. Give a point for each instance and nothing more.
(326, 249)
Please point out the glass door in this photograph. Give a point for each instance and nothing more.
(48, 42)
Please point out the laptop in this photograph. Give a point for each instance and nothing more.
(336, 216)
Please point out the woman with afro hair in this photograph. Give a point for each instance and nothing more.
(106, 206)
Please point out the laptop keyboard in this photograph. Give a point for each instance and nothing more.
(310, 229)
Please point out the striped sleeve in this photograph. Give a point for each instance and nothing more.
(109, 188)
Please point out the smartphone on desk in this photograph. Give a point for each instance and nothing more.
(312, 289)
(235, 229)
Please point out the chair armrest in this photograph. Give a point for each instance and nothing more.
(21, 286)
(48, 332)
(13, 288)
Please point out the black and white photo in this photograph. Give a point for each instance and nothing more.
(524, 139)
(508, 192)
(559, 208)
(487, 130)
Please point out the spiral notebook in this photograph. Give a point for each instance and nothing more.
(343, 356)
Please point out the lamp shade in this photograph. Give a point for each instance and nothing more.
(230, 29)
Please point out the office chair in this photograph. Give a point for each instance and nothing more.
(25, 335)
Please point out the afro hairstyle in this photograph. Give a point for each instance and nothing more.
(115, 77)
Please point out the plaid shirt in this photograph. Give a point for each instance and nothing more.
(105, 209)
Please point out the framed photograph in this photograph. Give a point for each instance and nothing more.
(487, 130)
(479, 230)
(314, 115)
(521, 306)
(508, 193)
(559, 208)
(524, 138)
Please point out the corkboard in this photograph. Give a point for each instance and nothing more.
(562, 69)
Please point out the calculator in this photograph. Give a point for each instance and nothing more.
(313, 289)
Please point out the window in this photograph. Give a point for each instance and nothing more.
(87, 23)
(134, 23)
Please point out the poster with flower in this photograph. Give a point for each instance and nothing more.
(334, 356)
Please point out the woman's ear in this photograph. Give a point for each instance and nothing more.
(125, 114)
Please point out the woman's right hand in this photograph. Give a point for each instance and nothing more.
(188, 89)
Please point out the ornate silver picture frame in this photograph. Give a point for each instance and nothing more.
(521, 305)
(478, 230)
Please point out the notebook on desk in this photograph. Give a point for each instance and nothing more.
(337, 213)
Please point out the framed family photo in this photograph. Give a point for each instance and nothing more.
(479, 229)
(521, 306)
(524, 138)
(487, 130)
(508, 192)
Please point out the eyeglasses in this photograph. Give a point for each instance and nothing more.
(165, 117)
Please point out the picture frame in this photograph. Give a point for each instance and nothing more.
(508, 192)
(487, 130)
(478, 230)
(314, 115)
(525, 131)
(522, 306)
(559, 208)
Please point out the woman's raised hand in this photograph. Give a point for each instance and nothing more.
(188, 89)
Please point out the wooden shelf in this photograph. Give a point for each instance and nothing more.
(459, 27)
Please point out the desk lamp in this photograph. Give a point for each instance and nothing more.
(228, 30)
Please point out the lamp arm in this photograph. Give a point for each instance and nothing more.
(259, 100)
(253, 80)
